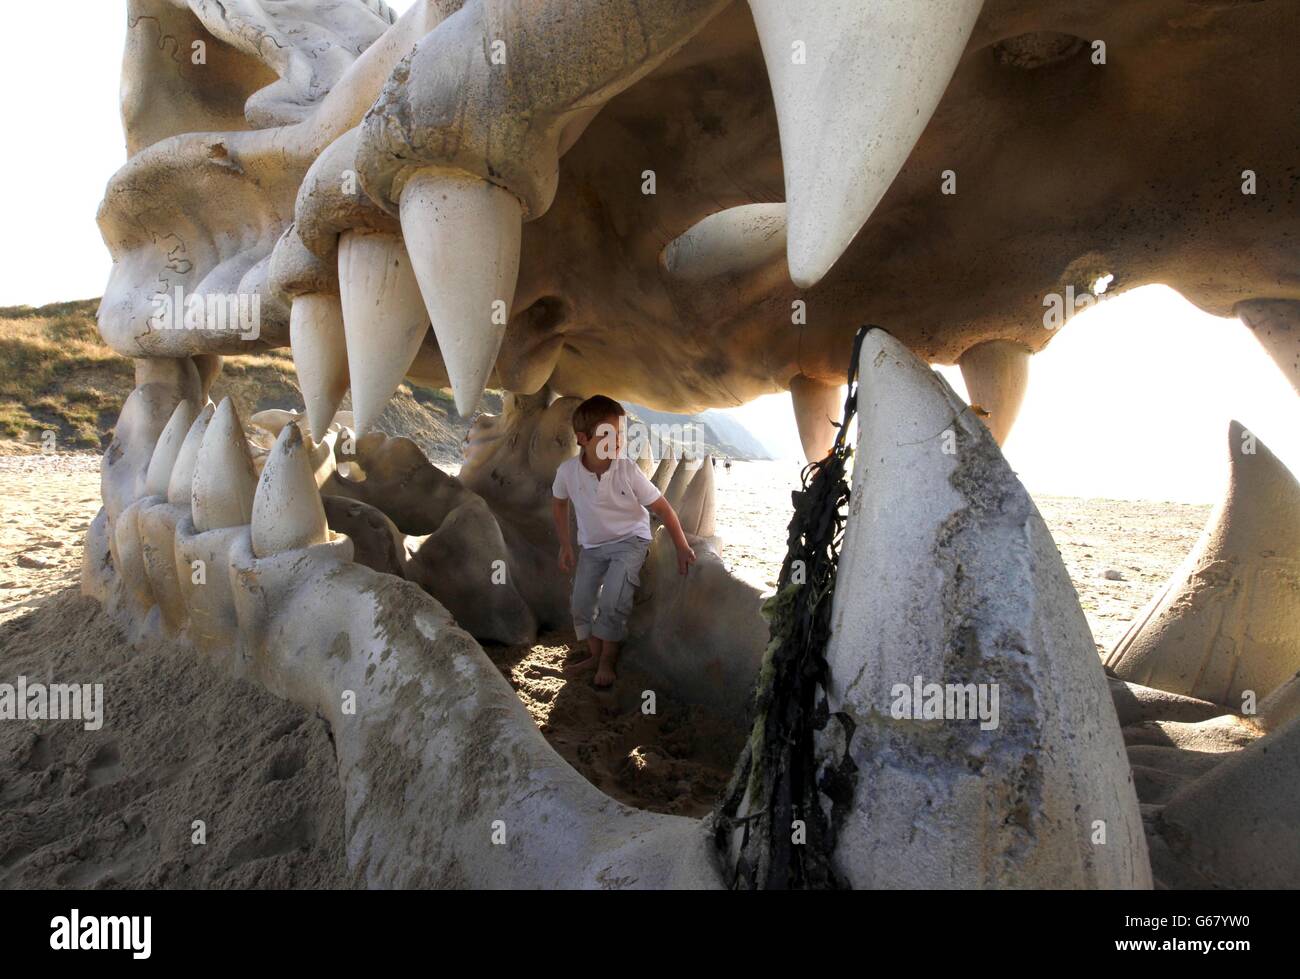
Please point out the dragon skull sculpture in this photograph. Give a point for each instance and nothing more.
(688, 204)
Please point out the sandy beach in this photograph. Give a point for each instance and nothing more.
(1139, 543)
(181, 747)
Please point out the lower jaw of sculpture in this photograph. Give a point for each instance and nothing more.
(446, 779)
(947, 573)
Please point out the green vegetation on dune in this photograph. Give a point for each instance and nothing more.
(57, 375)
(81, 310)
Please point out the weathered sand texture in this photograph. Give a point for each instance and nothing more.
(46, 505)
(115, 807)
(676, 760)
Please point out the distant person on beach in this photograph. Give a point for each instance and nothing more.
(612, 500)
(728, 464)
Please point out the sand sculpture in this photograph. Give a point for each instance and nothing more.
(606, 197)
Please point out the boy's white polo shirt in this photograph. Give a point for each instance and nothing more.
(608, 507)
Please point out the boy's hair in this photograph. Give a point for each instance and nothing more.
(588, 416)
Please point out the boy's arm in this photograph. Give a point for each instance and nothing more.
(560, 511)
(668, 517)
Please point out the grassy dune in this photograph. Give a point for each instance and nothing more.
(57, 375)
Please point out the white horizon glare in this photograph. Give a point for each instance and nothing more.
(1131, 401)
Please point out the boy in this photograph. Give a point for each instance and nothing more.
(610, 496)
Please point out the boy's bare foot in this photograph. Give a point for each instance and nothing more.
(582, 666)
(608, 658)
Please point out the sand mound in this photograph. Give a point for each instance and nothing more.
(677, 760)
(117, 807)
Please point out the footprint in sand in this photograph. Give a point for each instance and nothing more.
(105, 766)
(288, 762)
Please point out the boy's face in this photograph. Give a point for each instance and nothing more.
(606, 440)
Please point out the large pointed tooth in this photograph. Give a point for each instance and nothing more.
(208, 366)
(996, 374)
(287, 509)
(168, 447)
(645, 459)
(1228, 622)
(948, 575)
(464, 235)
(1235, 827)
(323, 461)
(320, 355)
(699, 503)
(681, 479)
(664, 473)
(849, 115)
(734, 242)
(383, 318)
(224, 477)
(1276, 323)
(181, 482)
(818, 407)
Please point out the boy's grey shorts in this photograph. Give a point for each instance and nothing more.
(604, 585)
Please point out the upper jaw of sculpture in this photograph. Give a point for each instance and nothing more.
(492, 157)
(232, 197)
(465, 149)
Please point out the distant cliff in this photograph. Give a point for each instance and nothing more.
(723, 436)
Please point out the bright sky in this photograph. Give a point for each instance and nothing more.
(1132, 400)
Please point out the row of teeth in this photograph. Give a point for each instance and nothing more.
(202, 459)
(689, 489)
(466, 229)
(469, 230)
(456, 261)
(205, 487)
(271, 481)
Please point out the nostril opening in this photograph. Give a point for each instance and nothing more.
(546, 314)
